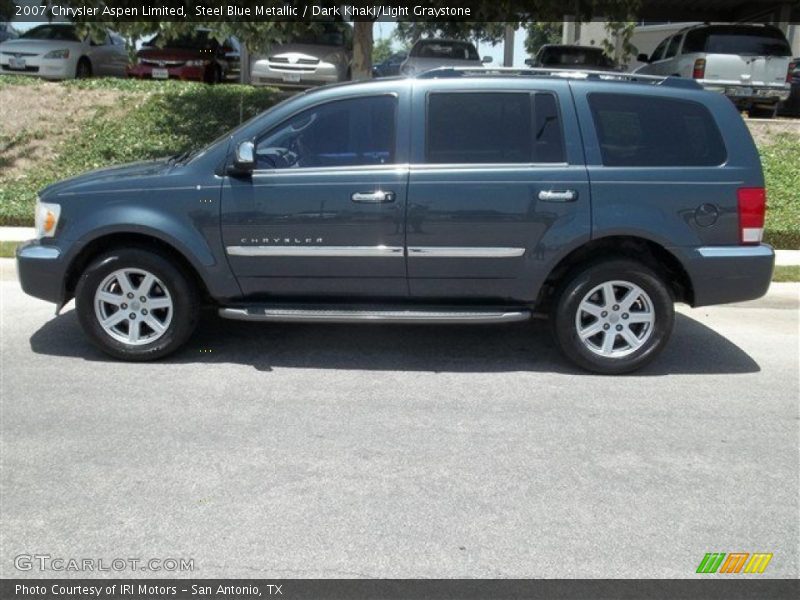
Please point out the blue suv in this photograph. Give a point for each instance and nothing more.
(463, 195)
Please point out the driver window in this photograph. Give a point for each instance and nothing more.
(344, 133)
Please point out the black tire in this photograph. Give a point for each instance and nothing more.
(84, 69)
(575, 289)
(180, 289)
(763, 112)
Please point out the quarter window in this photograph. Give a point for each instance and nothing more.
(344, 133)
(493, 127)
(646, 131)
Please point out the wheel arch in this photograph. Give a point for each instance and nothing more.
(144, 240)
(646, 251)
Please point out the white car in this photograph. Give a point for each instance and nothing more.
(309, 60)
(55, 51)
(434, 53)
(747, 63)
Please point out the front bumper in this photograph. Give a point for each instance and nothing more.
(723, 274)
(183, 73)
(37, 66)
(291, 76)
(42, 271)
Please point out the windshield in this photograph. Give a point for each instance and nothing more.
(327, 34)
(445, 50)
(64, 33)
(754, 41)
(592, 57)
(199, 40)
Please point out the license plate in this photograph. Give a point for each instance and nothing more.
(16, 63)
(160, 74)
(740, 91)
(291, 77)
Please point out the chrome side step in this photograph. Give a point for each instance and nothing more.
(375, 315)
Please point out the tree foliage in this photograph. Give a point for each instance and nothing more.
(541, 33)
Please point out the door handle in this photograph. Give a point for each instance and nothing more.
(373, 197)
(558, 195)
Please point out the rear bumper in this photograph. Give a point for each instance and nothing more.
(723, 274)
(41, 271)
(748, 94)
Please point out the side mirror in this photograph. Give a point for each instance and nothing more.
(529, 61)
(486, 60)
(245, 159)
(643, 58)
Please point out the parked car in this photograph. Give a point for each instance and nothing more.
(562, 56)
(7, 32)
(309, 60)
(194, 57)
(444, 198)
(791, 107)
(747, 63)
(56, 51)
(391, 66)
(433, 53)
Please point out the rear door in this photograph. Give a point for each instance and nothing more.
(497, 187)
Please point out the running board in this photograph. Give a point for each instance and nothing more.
(375, 315)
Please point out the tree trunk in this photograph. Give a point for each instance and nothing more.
(362, 50)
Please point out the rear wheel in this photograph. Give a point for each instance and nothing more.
(613, 317)
(136, 305)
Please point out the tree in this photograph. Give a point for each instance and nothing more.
(541, 33)
(381, 50)
(618, 43)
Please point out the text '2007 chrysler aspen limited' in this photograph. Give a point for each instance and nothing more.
(459, 196)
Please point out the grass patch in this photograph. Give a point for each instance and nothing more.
(154, 119)
(781, 161)
(7, 249)
(786, 273)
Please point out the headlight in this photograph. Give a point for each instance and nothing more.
(46, 218)
(63, 53)
(197, 63)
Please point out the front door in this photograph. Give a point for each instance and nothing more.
(323, 213)
(497, 189)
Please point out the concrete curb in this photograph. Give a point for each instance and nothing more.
(783, 258)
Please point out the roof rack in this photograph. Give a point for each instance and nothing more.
(448, 72)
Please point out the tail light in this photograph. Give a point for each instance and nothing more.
(752, 209)
(790, 71)
(699, 71)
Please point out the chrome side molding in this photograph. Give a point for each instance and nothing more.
(463, 252)
(316, 251)
(343, 315)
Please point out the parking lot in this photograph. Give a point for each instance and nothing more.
(344, 451)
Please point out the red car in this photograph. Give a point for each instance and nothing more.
(196, 57)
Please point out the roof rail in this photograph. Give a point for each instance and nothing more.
(448, 72)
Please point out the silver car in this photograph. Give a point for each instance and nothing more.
(433, 53)
(56, 51)
(308, 61)
(748, 63)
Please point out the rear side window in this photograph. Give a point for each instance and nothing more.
(646, 131)
(733, 39)
(493, 127)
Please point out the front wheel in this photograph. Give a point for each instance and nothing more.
(613, 317)
(136, 305)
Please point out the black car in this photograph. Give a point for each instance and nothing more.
(563, 56)
(391, 66)
(791, 107)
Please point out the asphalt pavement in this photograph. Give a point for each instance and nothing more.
(400, 451)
